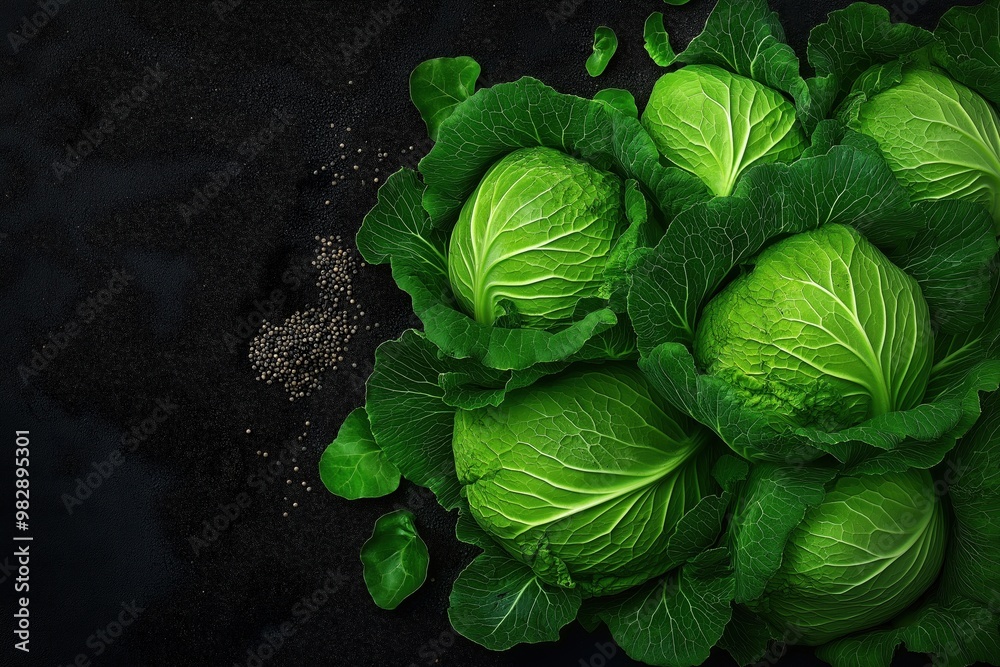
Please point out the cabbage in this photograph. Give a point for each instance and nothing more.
(536, 232)
(716, 124)
(941, 139)
(825, 330)
(859, 558)
(583, 476)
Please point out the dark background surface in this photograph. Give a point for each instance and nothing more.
(227, 68)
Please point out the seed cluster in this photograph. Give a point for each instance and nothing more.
(297, 352)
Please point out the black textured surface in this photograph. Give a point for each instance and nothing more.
(227, 68)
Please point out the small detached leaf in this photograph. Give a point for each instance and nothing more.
(499, 602)
(605, 45)
(658, 41)
(354, 466)
(676, 3)
(395, 559)
(619, 99)
(437, 86)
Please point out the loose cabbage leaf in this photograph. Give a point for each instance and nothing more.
(658, 41)
(605, 45)
(772, 505)
(970, 46)
(437, 86)
(395, 559)
(353, 466)
(498, 603)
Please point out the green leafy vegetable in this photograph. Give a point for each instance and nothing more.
(583, 477)
(533, 207)
(658, 41)
(941, 139)
(395, 559)
(354, 466)
(619, 99)
(438, 86)
(501, 603)
(605, 45)
(716, 124)
(864, 554)
(824, 330)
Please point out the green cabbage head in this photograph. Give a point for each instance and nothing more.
(584, 475)
(535, 235)
(716, 124)
(862, 556)
(824, 330)
(941, 139)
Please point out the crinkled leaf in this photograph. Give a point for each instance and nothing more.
(395, 559)
(354, 466)
(605, 45)
(855, 38)
(773, 504)
(658, 41)
(409, 418)
(747, 637)
(971, 474)
(746, 37)
(970, 46)
(958, 634)
(847, 185)
(437, 86)
(619, 99)
(674, 621)
(498, 603)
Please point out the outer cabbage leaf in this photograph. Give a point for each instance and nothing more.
(860, 36)
(677, 620)
(970, 46)
(848, 186)
(438, 86)
(716, 124)
(498, 602)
